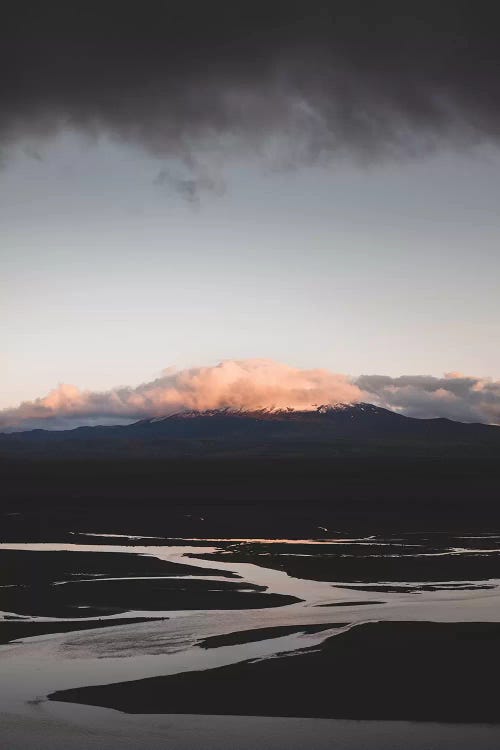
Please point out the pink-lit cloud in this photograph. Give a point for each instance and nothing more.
(259, 383)
(245, 384)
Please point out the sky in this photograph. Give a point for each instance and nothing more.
(316, 185)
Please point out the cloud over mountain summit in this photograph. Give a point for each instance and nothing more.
(258, 383)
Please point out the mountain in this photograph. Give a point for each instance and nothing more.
(265, 473)
(331, 430)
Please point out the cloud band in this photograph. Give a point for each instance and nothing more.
(254, 384)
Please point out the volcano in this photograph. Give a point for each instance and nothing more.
(327, 429)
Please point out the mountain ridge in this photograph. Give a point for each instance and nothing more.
(327, 428)
(352, 410)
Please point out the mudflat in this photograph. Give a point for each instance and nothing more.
(92, 584)
(261, 634)
(415, 558)
(382, 670)
(13, 630)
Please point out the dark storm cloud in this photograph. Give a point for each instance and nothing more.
(293, 82)
(191, 180)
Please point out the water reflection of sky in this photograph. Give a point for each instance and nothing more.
(39, 665)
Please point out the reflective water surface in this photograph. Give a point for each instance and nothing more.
(34, 667)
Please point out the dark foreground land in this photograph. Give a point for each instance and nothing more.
(260, 634)
(423, 559)
(300, 497)
(27, 568)
(98, 598)
(415, 514)
(384, 670)
(88, 584)
(263, 474)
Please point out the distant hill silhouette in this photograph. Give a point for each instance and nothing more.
(267, 473)
(344, 428)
